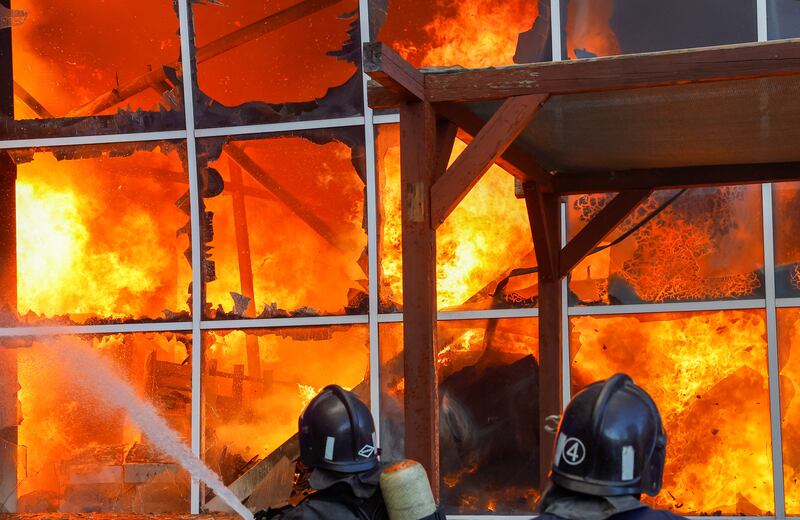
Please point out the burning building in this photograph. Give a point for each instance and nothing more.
(197, 190)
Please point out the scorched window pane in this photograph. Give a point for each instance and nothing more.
(73, 59)
(783, 19)
(708, 374)
(606, 27)
(288, 227)
(277, 60)
(100, 234)
(488, 390)
(470, 33)
(78, 450)
(786, 226)
(256, 383)
(692, 245)
(485, 237)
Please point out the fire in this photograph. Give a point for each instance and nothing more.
(588, 29)
(91, 245)
(706, 372)
(248, 415)
(284, 250)
(789, 339)
(68, 437)
(473, 246)
(471, 34)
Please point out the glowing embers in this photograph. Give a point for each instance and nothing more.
(700, 244)
(471, 33)
(288, 230)
(98, 234)
(605, 27)
(256, 383)
(78, 454)
(485, 237)
(708, 374)
(288, 51)
(786, 197)
(68, 54)
(789, 361)
(489, 383)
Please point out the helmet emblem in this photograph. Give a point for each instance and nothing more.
(574, 451)
(367, 451)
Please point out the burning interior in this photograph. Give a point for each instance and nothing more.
(101, 236)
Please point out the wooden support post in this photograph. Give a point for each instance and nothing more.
(545, 216)
(418, 162)
(8, 287)
(245, 264)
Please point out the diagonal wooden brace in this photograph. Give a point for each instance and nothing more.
(598, 228)
(489, 144)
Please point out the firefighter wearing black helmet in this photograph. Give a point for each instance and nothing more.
(610, 449)
(337, 447)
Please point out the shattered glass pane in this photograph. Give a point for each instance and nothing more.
(786, 229)
(679, 245)
(470, 33)
(255, 384)
(489, 439)
(285, 224)
(483, 261)
(707, 372)
(90, 456)
(594, 28)
(264, 62)
(93, 68)
(97, 237)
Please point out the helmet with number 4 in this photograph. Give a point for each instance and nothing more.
(610, 441)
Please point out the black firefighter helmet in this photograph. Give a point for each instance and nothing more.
(610, 441)
(337, 433)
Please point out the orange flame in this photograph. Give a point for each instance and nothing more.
(473, 246)
(706, 372)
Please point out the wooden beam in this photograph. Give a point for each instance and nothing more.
(417, 164)
(489, 144)
(566, 183)
(741, 61)
(546, 241)
(599, 227)
(393, 72)
(544, 213)
(516, 160)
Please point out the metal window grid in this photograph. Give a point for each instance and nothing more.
(370, 121)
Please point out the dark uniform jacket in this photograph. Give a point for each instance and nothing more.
(338, 496)
(562, 504)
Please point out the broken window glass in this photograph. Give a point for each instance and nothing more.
(90, 456)
(483, 261)
(255, 384)
(594, 28)
(489, 439)
(99, 235)
(284, 224)
(264, 62)
(679, 245)
(706, 372)
(92, 68)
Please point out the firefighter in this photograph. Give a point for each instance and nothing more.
(610, 449)
(340, 462)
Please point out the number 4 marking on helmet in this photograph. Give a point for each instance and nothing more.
(574, 451)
